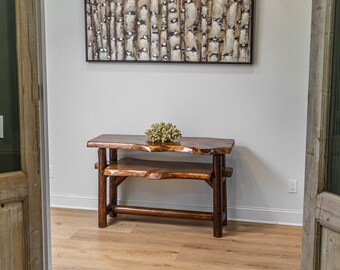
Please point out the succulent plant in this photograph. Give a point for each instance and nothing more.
(163, 132)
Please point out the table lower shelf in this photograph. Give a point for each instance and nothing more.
(157, 170)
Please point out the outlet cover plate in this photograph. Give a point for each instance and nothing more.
(292, 186)
(51, 172)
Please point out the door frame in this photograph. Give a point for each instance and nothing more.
(316, 200)
(44, 152)
(317, 128)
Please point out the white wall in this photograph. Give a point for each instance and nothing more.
(263, 107)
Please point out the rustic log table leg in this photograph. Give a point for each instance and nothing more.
(102, 221)
(113, 184)
(217, 194)
(224, 195)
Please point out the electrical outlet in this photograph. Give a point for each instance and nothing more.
(51, 172)
(292, 186)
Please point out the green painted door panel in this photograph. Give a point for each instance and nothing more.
(9, 99)
(333, 170)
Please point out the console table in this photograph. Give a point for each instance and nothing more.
(214, 174)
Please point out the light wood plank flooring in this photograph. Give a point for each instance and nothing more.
(139, 243)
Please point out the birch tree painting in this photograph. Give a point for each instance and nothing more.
(170, 30)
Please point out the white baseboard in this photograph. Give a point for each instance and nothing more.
(235, 212)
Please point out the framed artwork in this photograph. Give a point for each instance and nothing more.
(180, 31)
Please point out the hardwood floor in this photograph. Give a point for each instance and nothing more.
(139, 243)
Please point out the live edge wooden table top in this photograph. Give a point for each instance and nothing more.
(214, 174)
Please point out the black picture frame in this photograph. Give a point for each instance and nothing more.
(101, 42)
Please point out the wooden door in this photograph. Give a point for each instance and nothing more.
(321, 234)
(20, 178)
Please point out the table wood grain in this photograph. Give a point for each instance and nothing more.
(158, 170)
(193, 145)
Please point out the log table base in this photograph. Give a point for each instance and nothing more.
(117, 171)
